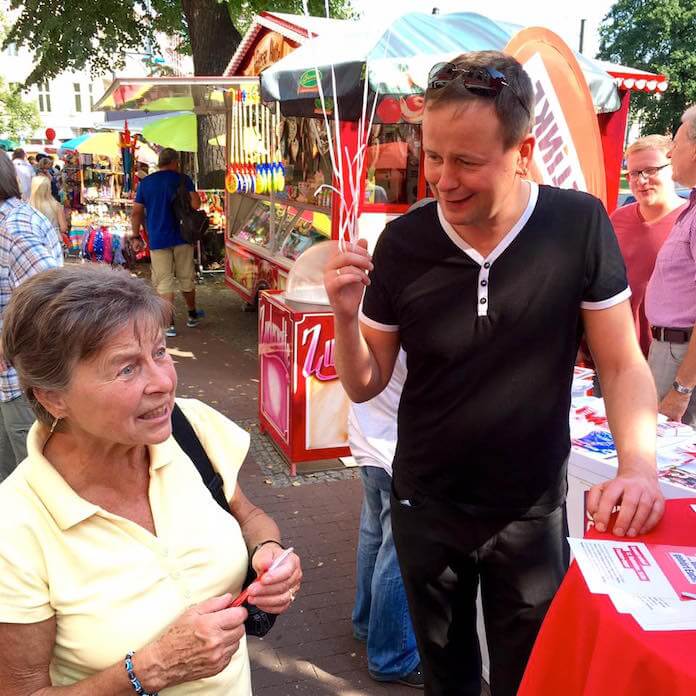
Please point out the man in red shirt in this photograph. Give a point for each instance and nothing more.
(643, 226)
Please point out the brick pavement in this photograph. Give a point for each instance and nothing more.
(310, 651)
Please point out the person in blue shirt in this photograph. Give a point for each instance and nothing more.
(170, 256)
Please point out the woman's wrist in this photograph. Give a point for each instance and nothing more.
(260, 545)
(150, 670)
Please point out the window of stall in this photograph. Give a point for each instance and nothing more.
(304, 148)
(392, 165)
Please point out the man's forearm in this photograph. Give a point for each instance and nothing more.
(686, 374)
(136, 223)
(631, 404)
(356, 365)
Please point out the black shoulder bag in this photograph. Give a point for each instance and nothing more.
(259, 622)
(193, 224)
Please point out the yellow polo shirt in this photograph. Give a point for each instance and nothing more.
(113, 586)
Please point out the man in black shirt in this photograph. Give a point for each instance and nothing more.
(488, 290)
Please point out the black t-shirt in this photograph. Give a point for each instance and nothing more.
(491, 344)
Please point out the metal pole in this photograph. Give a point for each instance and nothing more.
(582, 34)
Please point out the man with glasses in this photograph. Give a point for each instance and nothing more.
(670, 299)
(487, 290)
(643, 226)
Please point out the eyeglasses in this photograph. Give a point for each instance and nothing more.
(485, 82)
(648, 172)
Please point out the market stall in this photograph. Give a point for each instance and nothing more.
(336, 80)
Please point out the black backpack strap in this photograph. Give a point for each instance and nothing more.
(187, 439)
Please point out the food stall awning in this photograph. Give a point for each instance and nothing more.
(634, 80)
(398, 59)
(200, 95)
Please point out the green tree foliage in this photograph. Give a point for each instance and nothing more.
(658, 36)
(73, 34)
(18, 118)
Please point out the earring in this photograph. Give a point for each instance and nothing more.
(55, 423)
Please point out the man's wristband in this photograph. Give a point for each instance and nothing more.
(263, 543)
(135, 682)
(681, 389)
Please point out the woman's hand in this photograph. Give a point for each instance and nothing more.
(276, 591)
(345, 278)
(198, 644)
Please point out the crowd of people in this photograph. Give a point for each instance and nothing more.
(118, 568)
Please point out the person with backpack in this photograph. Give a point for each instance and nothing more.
(171, 255)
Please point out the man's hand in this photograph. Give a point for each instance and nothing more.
(674, 405)
(345, 278)
(639, 497)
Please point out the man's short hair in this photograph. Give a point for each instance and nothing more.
(19, 154)
(168, 156)
(650, 142)
(689, 118)
(515, 121)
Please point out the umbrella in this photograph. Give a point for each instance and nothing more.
(106, 144)
(8, 145)
(178, 132)
(397, 60)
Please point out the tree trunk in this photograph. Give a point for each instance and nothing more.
(214, 40)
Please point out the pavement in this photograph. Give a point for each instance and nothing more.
(311, 649)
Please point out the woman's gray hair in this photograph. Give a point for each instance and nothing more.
(689, 118)
(65, 315)
(9, 186)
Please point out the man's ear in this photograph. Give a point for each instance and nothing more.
(525, 152)
(53, 401)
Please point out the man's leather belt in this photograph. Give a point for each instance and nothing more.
(662, 333)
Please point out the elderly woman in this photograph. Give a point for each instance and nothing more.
(110, 542)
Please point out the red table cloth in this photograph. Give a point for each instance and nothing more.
(586, 648)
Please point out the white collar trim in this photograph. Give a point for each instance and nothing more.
(504, 242)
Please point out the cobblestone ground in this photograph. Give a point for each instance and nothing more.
(311, 650)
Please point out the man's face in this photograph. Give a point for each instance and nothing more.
(466, 165)
(655, 189)
(683, 156)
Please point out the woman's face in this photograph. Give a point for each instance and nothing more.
(125, 393)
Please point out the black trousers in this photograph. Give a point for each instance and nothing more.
(444, 553)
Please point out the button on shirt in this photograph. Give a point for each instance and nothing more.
(670, 299)
(28, 245)
(111, 585)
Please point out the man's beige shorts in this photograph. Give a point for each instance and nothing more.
(172, 264)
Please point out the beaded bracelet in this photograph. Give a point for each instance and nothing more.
(135, 682)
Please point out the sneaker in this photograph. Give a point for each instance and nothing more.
(414, 679)
(170, 331)
(191, 322)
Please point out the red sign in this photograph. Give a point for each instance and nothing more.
(50, 135)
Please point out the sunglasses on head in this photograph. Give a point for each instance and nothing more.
(484, 82)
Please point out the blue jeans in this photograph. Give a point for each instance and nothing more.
(381, 613)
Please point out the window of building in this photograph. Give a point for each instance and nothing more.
(91, 97)
(78, 96)
(11, 49)
(44, 97)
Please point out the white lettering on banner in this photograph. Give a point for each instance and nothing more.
(274, 339)
(554, 155)
(687, 565)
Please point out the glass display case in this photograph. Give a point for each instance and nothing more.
(282, 230)
(304, 149)
(392, 163)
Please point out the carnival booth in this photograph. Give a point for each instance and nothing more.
(98, 185)
(352, 99)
